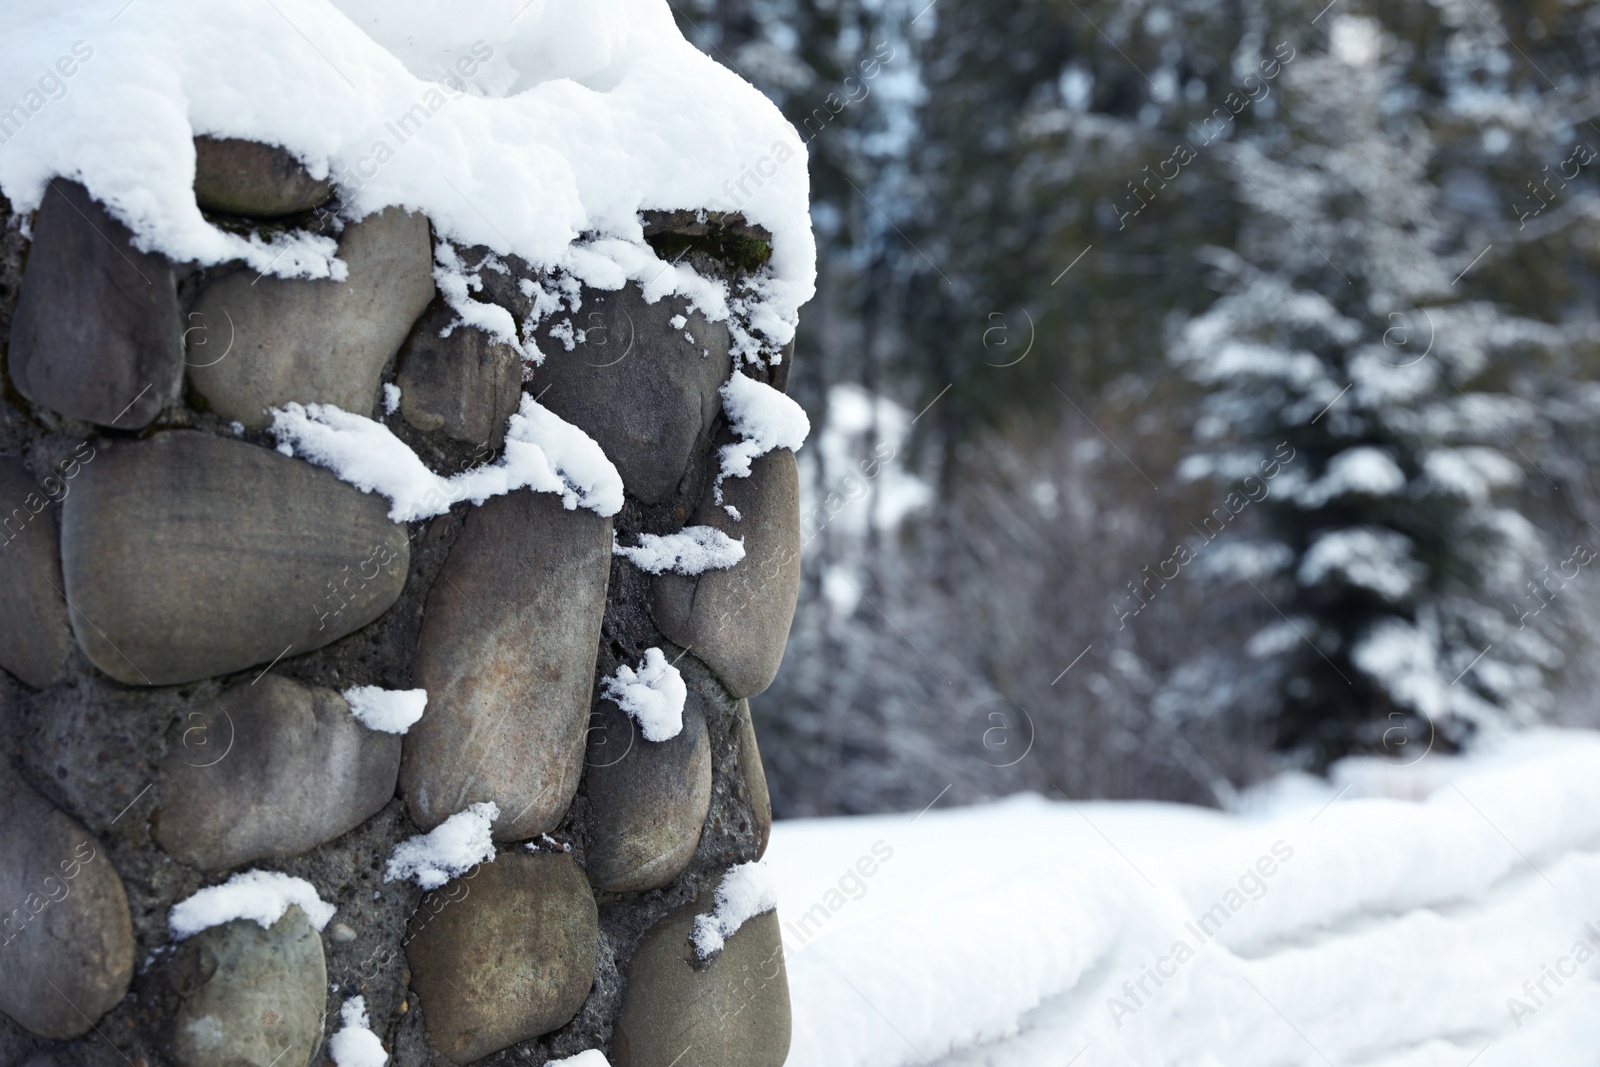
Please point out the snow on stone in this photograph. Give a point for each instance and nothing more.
(456, 282)
(538, 128)
(1396, 915)
(391, 398)
(692, 550)
(453, 847)
(591, 1058)
(261, 896)
(355, 1045)
(764, 418)
(543, 452)
(653, 695)
(391, 711)
(745, 892)
(1367, 556)
(1364, 471)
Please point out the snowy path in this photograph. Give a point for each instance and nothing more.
(1321, 929)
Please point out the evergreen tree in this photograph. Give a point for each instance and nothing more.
(1376, 413)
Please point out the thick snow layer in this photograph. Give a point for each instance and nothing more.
(453, 847)
(528, 126)
(653, 695)
(692, 550)
(1436, 913)
(355, 1045)
(262, 896)
(543, 452)
(391, 711)
(745, 892)
(763, 418)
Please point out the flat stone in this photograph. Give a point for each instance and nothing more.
(237, 995)
(314, 341)
(270, 768)
(97, 334)
(187, 555)
(35, 635)
(467, 384)
(511, 959)
(646, 807)
(753, 780)
(66, 942)
(636, 385)
(737, 620)
(251, 178)
(732, 1013)
(507, 654)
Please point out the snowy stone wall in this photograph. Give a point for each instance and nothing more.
(220, 808)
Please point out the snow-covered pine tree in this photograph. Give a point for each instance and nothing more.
(1343, 348)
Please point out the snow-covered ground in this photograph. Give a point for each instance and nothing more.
(1444, 913)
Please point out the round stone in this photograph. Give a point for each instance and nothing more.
(511, 958)
(732, 1012)
(257, 342)
(97, 333)
(648, 804)
(737, 620)
(66, 942)
(187, 556)
(35, 635)
(466, 384)
(237, 995)
(270, 768)
(507, 654)
(250, 178)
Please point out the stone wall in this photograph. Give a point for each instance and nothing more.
(181, 607)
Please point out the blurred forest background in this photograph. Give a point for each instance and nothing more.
(1199, 387)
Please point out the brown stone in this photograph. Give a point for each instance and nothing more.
(677, 1012)
(647, 805)
(507, 654)
(508, 959)
(97, 333)
(187, 555)
(251, 178)
(736, 621)
(35, 635)
(66, 940)
(270, 768)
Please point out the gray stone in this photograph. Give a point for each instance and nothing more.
(187, 555)
(637, 385)
(237, 995)
(753, 780)
(646, 806)
(316, 341)
(466, 384)
(66, 940)
(251, 178)
(270, 768)
(511, 959)
(507, 654)
(97, 334)
(35, 635)
(737, 620)
(732, 1013)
